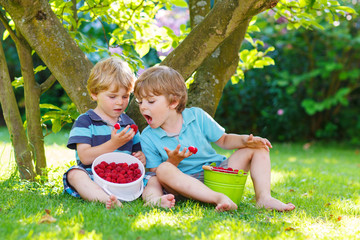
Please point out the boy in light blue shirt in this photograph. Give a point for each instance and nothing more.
(162, 96)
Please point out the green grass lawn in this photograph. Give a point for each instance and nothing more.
(323, 181)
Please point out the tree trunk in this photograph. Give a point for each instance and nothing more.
(220, 23)
(46, 35)
(213, 74)
(32, 94)
(14, 123)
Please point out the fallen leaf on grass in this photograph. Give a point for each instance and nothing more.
(291, 190)
(339, 218)
(305, 195)
(47, 218)
(307, 146)
(290, 229)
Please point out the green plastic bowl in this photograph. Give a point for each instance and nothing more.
(232, 185)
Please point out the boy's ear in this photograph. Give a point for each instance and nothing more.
(174, 103)
(93, 96)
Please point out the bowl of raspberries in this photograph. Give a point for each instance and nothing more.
(119, 174)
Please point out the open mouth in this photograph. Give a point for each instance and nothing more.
(148, 119)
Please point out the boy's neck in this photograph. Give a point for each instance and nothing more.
(173, 124)
(106, 119)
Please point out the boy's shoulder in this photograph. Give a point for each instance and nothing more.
(125, 119)
(84, 116)
(193, 112)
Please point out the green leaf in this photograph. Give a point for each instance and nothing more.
(18, 82)
(179, 3)
(49, 106)
(6, 34)
(56, 125)
(39, 69)
(142, 48)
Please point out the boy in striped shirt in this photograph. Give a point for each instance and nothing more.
(110, 83)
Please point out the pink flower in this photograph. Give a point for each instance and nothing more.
(280, 112)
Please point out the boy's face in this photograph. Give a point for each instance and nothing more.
(156, 110)
(110, 103)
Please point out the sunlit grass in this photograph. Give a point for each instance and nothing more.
(323, 181)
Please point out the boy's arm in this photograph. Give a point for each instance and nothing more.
(235, 141)
(175, 156)
(87, 153)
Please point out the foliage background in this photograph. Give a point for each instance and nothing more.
(311, 93)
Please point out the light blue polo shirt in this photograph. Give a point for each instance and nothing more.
(199, 129)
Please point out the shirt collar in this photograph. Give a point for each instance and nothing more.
(97, 118)
(188, 117)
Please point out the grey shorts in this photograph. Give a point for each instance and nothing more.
(199, 175)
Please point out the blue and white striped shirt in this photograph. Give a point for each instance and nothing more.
(89, 128)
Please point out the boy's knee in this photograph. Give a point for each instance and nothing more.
(73, 174)
(163, 170)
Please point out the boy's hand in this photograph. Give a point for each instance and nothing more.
(258, 142)
(141, 156)
(175, 157)
(122, 137)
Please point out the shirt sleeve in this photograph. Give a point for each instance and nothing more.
(80, 132)
(209, 127)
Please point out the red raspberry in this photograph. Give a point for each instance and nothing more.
(134, 127)
(193, 149)
(117, 126)
(135, 165)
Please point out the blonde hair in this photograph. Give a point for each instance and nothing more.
(110, 72)
(162, 80)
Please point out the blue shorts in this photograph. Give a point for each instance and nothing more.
(67, 187)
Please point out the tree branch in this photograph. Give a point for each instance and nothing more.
(7, 26)
(47, 83)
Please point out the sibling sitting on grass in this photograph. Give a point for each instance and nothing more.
(110, 83)
(162, 96)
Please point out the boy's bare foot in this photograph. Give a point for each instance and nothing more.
(165, 201)
(225, 204)
(274, 204)
(113, 202)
